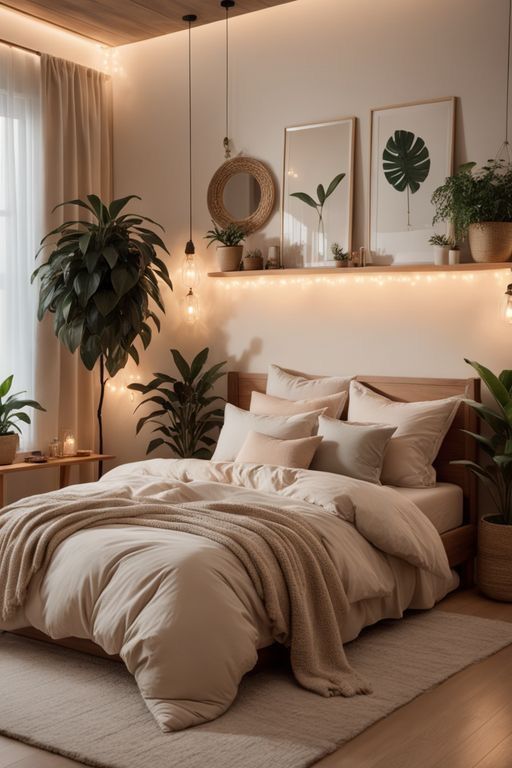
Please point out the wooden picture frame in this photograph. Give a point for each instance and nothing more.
(400, 211)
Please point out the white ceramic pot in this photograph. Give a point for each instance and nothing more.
(229, 257)
(491, 241)
(453, 257)
(8, 446)
(440, 255)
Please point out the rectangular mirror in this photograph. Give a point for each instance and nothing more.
(316, 211)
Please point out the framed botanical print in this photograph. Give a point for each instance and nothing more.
(316, 212)
(411, 155)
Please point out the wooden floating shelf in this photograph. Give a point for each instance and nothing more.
(373, 270)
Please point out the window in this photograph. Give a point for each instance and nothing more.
(20, 214)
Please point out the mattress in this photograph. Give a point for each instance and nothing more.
(443, 504)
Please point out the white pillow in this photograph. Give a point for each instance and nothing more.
(262, 449)
(354, 450)
(267, 404)
(421, 428)
(238, 423)
(294, 385)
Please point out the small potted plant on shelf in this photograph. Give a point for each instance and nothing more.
(253, 260)
(495, 531)
(230, 248)
(441, 246)
(340, 256)
(12, 412)
(453, 253)
(479, 205)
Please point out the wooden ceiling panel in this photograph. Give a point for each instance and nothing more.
(117, 22)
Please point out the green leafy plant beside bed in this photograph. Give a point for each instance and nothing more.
(495, 472)
(185, 415)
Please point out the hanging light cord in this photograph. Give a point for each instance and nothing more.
(505, 147)
(227, 4)
(189, 248)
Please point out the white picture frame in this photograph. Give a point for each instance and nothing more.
(400, 218)
(314, 154)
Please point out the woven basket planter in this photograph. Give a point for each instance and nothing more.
(491, 241)
(252, 263)
(8, 446)
(229, 257)
(495, 558)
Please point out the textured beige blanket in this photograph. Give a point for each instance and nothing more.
(282, 553)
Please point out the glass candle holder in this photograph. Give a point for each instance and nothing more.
(68, 443)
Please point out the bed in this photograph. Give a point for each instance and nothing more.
(146, 595)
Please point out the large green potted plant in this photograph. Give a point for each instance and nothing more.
(101, 284)
(12, 412)
(495, 472)
(479, 205)
(183, 415)
(230, 245)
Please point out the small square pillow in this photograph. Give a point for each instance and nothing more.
(262, 449)
(354, 450)
(421, 428)
(294, 385)
(238, 423)
(267, 404)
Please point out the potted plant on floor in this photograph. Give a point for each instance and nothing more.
(479, 206)
(183, 414)
(494, 562)
(99, 282)
(12, 412)
(229, 252)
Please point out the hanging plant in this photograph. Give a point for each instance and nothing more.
(100, 282)
(406, 164)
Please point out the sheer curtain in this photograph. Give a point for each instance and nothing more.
(77, 133)
(20, 216)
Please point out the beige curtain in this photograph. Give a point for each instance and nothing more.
(77, 134)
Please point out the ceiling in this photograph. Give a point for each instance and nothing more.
(117, 22)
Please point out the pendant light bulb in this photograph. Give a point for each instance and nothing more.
(190, 272)
(191, 307)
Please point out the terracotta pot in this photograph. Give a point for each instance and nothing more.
(229, 257)
(8, 446)
(253, 263)
(491, 241)
(494, 564)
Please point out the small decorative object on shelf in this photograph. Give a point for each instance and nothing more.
(454, 254)
(68, 443)
(55, 448)
(253, 260)
(442, 246)
(12, 412)
(340, 256)
(230, 250)
(273, 257)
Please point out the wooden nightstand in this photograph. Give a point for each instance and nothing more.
(64, 465)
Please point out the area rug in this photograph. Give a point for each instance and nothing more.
(89, 709)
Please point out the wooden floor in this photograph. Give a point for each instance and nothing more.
(466, 722)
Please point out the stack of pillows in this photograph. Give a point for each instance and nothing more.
(297, 424)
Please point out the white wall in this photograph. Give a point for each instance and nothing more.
(311, 60)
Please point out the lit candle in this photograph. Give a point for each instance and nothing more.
(69, 445)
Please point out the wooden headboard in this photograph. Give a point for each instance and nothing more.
(456, 445)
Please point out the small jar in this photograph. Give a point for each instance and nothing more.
(55, 448)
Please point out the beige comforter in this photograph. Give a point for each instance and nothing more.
(182, 609)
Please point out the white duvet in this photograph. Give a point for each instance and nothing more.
(181, 610)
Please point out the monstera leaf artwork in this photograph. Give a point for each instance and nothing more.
(406, 164)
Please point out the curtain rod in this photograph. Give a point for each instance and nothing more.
(21, 47)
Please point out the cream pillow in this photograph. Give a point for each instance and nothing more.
(267, 404)
(294, 385)
(421, 428)
(354, 450)
(262, 449)
(238, 423)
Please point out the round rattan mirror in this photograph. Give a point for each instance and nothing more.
(242, 192)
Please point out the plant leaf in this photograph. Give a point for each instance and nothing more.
(305, 199)
(406, 161)
(334, 183)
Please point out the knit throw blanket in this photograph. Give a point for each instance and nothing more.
(283, 555)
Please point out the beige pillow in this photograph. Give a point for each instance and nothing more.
(267, 404)
(294, 385)
(354, 450)
(421, 428)
(238, 423)
(262, 449)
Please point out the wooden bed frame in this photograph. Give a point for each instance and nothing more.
(460, 543)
